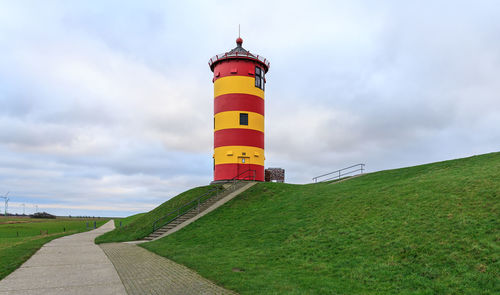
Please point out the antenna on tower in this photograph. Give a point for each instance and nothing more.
(239, 31)
(6, 202)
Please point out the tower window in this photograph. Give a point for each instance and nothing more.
(243, 119)
(259, 78)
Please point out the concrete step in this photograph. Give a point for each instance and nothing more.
(184, 217)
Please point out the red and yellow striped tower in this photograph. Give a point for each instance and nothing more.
(239, 79)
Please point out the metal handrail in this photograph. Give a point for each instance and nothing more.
(198, 201)
(177, 212)
(340, 174)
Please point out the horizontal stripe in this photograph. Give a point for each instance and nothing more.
(236, 68)
(239, 102)
(235, 154)
(230, 120)
(237, 136)
(237, 84)
(229, 171)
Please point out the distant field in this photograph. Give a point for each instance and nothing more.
(21, 237)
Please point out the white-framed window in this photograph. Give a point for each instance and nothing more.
(259, 78)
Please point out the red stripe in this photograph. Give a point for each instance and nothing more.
(237, 136)
(239, 102)
(228, 171)
(236, 67)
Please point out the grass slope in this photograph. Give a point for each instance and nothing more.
(138, 226)
(430, 229)
(20, 238)
(127, 220)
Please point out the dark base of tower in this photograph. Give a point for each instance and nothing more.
(238, 171)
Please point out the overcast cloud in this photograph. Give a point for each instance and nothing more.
(106, 108)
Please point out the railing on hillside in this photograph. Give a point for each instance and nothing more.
(196, 203)
(341, 172)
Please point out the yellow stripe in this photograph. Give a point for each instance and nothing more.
(237, 84)
(231, 119)
(234, 154)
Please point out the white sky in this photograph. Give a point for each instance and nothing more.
(106, 106)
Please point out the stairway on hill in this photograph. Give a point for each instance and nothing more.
(197, 210)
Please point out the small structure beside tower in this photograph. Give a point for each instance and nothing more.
(274, 175)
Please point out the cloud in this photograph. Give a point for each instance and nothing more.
(111, 103)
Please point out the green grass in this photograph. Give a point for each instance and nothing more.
(20, 237)
(127, 220)
(430, 229)
(139, 226)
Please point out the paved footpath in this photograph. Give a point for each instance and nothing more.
(67, 265)
(144, 272)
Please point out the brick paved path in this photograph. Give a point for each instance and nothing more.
(143, 272)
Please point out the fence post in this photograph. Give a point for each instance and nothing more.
(198, 206)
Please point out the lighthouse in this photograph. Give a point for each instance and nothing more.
(239, 79)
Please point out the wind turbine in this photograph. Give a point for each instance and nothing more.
(6, 202)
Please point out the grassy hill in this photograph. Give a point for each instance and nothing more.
(430, 229)
(126, 220)
(138, 226)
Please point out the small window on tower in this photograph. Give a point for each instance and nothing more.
(243, 119)
(257, 81)
(259, 78)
